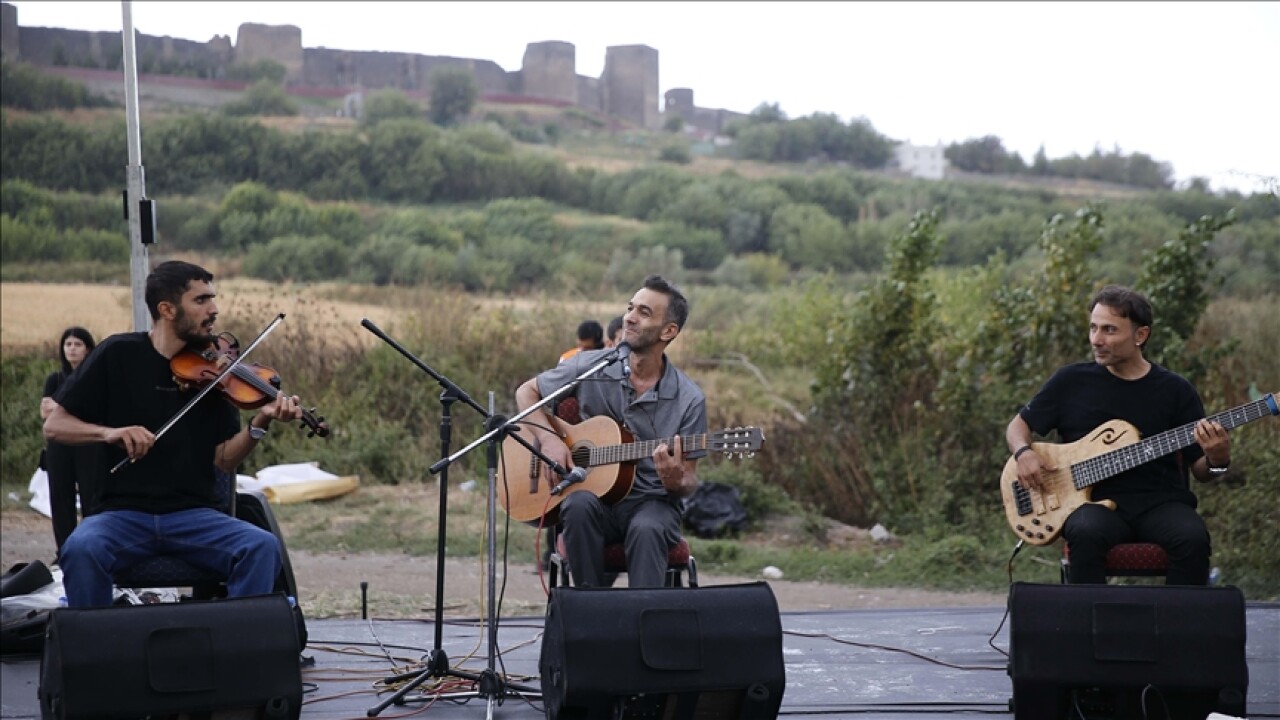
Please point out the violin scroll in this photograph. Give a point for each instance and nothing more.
(315, 423)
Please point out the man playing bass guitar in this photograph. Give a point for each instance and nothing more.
(1153, 502)
(654, 401)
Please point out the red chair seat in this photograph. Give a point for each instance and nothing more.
(1127, 559)
(615, 556)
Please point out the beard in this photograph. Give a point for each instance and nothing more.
(190, 331)
(642, 339)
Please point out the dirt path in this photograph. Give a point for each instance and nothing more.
(403, 586)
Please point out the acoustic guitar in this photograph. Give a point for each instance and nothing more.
(1111, 448)
(608, 453)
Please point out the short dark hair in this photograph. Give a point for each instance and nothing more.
(76, 332)
(169, 280)
(677, 304)
(614, 326)
(1128, 303)
(591, 330)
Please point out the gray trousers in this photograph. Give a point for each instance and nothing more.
(647, 526)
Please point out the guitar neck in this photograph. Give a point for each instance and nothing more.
(1100, 467)
(641, 449)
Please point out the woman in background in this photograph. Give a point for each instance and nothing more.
(71, 469)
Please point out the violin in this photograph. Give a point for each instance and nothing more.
(249, 385)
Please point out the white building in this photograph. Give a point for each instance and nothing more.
(921, 161)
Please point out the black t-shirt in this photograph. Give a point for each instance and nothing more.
(126, 382)
(1080, 397)
(52, 383)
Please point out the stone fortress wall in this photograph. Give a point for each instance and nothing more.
(628, 89)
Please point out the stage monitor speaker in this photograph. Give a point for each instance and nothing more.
(691, 653)
(1112, 650)
(226, 657)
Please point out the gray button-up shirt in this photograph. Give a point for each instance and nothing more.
(674, 406)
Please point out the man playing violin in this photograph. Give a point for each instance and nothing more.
(655, 401)
(164, 501)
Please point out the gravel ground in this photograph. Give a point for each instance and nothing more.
(403, 586)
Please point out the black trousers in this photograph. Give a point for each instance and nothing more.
(73, 470)
(1092, 530)
(647, 526)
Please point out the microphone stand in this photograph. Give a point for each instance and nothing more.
(618, 353)
(437, 664)
(491, 685)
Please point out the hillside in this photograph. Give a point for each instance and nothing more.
(881, 329)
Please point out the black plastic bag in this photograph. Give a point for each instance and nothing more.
(714, 510)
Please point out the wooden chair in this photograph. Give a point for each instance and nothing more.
(1126, 560)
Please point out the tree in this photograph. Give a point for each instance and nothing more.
(453, 95)
(1174, 280)
(264, 97)
(1040, 165)
(388, 104)
(805, 235)
(981, 155)
(767, 113)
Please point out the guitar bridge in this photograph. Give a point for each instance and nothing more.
(535, 470)
(1021, 498)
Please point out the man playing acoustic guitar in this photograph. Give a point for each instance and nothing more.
(654, 401)
(1153, 502)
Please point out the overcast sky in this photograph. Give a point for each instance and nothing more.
(1188, 83)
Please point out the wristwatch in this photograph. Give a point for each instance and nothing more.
(258, 433)
(1215, 471)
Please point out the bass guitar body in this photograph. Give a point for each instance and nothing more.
(1037, 517)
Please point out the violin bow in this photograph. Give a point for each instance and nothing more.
(205, 390)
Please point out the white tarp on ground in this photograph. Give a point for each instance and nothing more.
(297, 482)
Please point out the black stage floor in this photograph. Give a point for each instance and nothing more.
(902, 664)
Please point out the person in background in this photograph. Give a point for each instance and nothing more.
(612, 331)
(656, 402)
(164, 501)
(70, 469)
(590, 337)
(1154, 502)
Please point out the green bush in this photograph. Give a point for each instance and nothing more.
(380, 260)
(751, 271)
(25, 242)
(24, 87)
(21, 438)
(264, 97)
(389, 104)
(700, 249)
(675, 153)
(263, 70)
(298, 258)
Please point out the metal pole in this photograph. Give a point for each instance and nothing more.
(135, 177)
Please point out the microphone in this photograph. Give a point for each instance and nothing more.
(572, 477)
(624, 354)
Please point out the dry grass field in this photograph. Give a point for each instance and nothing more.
(34, 314)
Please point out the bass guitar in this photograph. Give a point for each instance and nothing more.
(608, 453)
(1111, 448)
